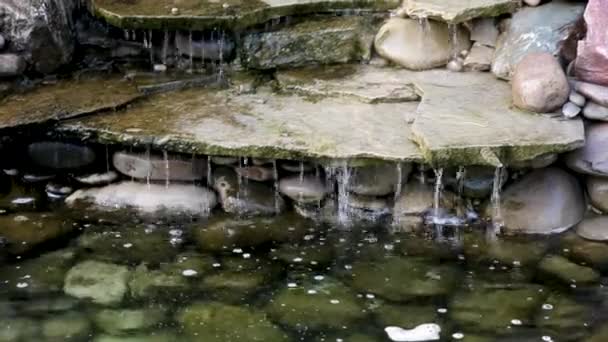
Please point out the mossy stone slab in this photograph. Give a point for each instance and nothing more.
(264, 125)
(66, 99)
(208, 14)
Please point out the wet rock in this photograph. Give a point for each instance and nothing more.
(158, 284)
(149, 198)
(593, 228)
(128, 244)
(11, 65)
(545, 201)
(223, 234)
(316, 255)
(458, 12)
(102, 283)
(593, 92)
(378, 180)
(317, 41)
(484, 32)
(534, 29)
(42, 30)
(367, 207)
(567, 272)
(600, 335)
(324, 304)
(577, 99)
(593, 111)
(158, 168)
(407, 317)
(415, 201)
(592, 158)
(539, 83)
(422, 278)
(296, 167)
(408, 43)
(216, 322)
(19, 329)
(504, 252)
(478, 181)
(66, 327)
(210, 50)
(51, 305)
(23, 233)
(218, 160)
(236, 286)
(492, 310)
(326, 213)
(59, 155)
(42, 275)
(307, 189)
(597, 188)
(480, 58)
(247, 197)
(121, 321)
(154, 336)
(2, 42)
(570, 110)
(97, 179)
(256, 173)
(564, 317)
(592, 58)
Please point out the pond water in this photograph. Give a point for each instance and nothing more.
(88, 275)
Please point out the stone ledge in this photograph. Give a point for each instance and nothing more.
(239, 14)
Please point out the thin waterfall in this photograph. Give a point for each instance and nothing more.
(301, 172)
(165, 46)
(151, 47)
(191, 51)
(277, 195)
(221, 55)
(399, 181)
(343, 175)
(167, 169)
(203, 53)
(496, 210)
(453, 39)
(148, 175)
(107, 159)
(209, 172)
(437, 201)
(424, 24)
(422, 174)
(460, 178)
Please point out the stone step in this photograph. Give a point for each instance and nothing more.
(228, 14)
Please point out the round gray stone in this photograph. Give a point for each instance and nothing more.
(594, 228)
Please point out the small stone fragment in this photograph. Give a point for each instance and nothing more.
(570, 110)
(577, 99)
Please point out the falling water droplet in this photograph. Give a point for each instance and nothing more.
(167, 169)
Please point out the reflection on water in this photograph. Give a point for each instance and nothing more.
(81, 275)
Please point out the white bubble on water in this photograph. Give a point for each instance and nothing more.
(189, 273)
(516, 322)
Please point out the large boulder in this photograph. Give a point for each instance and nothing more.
(39, 30)
(591, 159)
(419, 46)
(592, 55)
(539, 83)
(543, 202)
(534, 29)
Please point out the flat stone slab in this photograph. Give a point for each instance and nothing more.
(458, 11)
(218, 122)
(468, 118)
(66, 99)
(462, 119)
(208, 14)
(363, 83)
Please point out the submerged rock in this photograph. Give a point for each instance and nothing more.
(120, 321)
(66, 327)
(159, 168)
(418, 46)
(314, 306)
(403, 278)
(539, 83)
(306, 189)
(19, 329)
(217, 322)
(545, 201)
(149, 198)
(534, 29)
(22, 233)
(492, 310)
(60, 155)
(147, 284)
(153, 336)
(565, 317)
(585, 251)
(592, 158)
(378, 180)
(102, 283)
(567, 272)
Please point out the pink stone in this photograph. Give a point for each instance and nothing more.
(592, 57)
